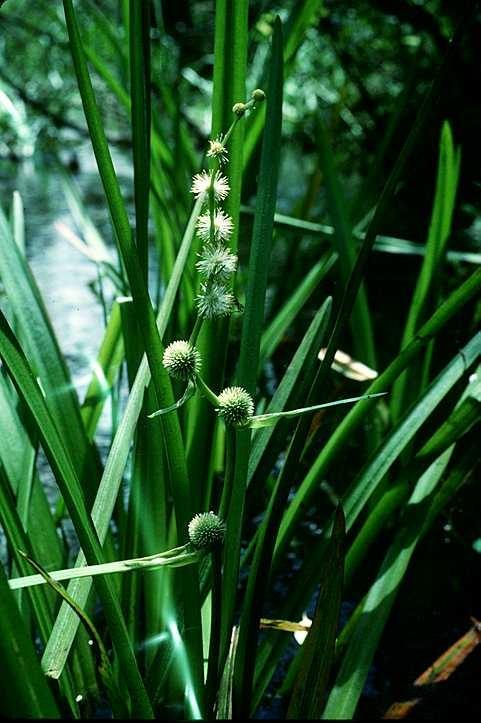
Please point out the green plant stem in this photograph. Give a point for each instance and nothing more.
(214, 643)
(196, 330)
(207, 392)
(230, 461)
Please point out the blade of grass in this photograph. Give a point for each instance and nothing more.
(426, 292)
(345, 694)
(384, 244)
(70, 487)
(25, 692)
(106, 369)
(317, 652)
(362, 488)
(44, 355)
(461, 296)
(424, 505)
(291, 392)
(117, 702)
(289, 311)
(139, 39)
(361, 325)
(66, 625)
(42, 605)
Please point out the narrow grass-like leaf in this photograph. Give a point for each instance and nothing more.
(361, 326)
(44, 354)
(317, 653)
(357, 660)
(117, 702)
(139, 37)
(286, 315)
(105, 371)
(384, 244)
(68, 481)
(362, 488)
(63, 634)
(269, 420)
(426, 291)
(295, 384)
(461, 296)
(25, 692)
(107, 568)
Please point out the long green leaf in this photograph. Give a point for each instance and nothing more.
(361, 326)
(70, 487)
(44, 354)
(292, 389)
(66, 625)
(286, 315)
(426, 291)
(461, 296)
(317, 654)
(25, 693)
(139, 37)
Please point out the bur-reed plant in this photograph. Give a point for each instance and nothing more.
(177, 634)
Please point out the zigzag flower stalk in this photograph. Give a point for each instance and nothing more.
(234, 404)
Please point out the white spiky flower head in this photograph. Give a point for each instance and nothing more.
(217, 150)
(216, 262)
(203, 182)
(236, 406)
(182, 360)
(206, 530)
(214, 301)
(223, 226)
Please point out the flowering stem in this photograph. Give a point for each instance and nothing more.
(196, 330)
(230, 454)
(207, 392)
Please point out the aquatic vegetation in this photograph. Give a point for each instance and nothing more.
(224, 442)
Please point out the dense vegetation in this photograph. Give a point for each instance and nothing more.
(276, 206)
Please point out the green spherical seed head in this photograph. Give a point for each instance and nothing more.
(258, 95)
(206, 530)
(182, 360)
(239, 109)
(235, 406)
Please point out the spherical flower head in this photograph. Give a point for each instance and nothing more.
(236, 406)
(217, 150)
(206, 530)
(223, 226)
(203, 182)
(258, 95)
(239, 109)
(216, 262)
(214, 301)
(182, 360)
